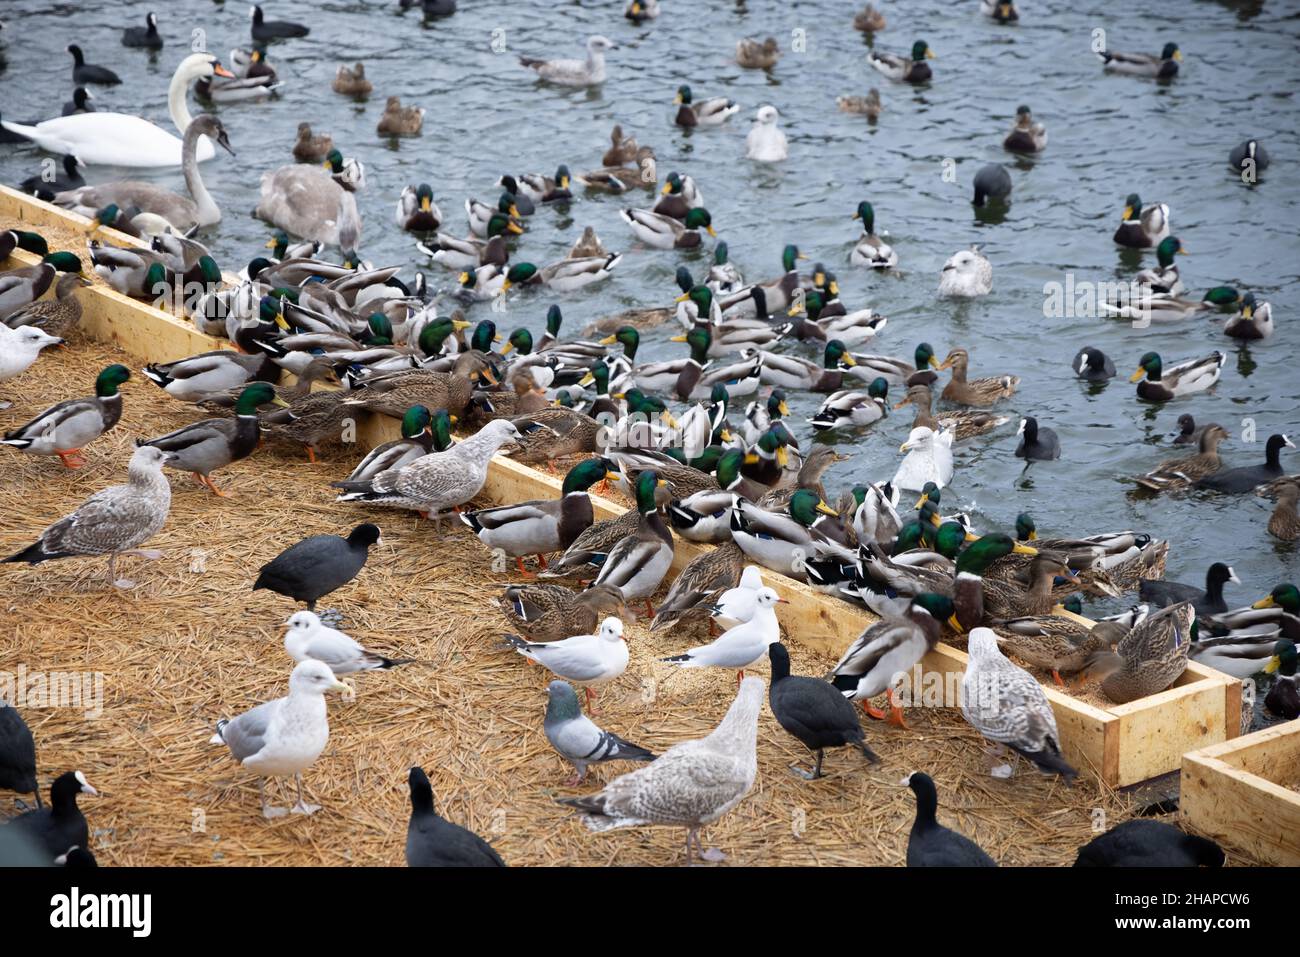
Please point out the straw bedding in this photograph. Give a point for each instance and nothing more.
(192, 643)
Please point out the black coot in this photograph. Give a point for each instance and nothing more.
(930, 844)
(318, 565)
(83, 72)
(1146, 843)
(814, 711)
(433, 841)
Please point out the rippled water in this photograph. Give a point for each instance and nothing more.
(1109, 136)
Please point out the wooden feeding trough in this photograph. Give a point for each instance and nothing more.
(1246, 793)
(1121, 745)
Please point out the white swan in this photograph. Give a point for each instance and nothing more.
(182, 212)
(120, 139)
(313, 203)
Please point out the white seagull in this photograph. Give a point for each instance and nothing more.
(586, 660)
(742, 646)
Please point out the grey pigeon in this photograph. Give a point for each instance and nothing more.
(578, 739)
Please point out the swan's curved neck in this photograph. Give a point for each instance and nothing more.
(208, 213)
(349, 221)
(176, 100)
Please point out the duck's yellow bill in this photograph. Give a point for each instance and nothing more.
(1137, 375)
(1265, 602)
(1024, 549)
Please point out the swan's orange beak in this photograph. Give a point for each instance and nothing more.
(220, 70)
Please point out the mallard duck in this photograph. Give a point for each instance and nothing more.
(567, 275)
(112, 521)
(1142, 227)
(872, 512)
(58, 316)
(1284, 523)
(768, 459)
(1026, 136)
(871, 250)
(1150, 657)
(251, 78)
(766, 142)
(891, 645)
(422, 433)
(1057, 643)
(1162, 383)
(665, 232)
(780, 542)
(554, 432)
(1005, 597)
(398, 120)
(963, 424)
(1248, 477)
(1143, 64)
(1182, 472)
(1107, 564)
(588, 72)
(587, 245)
(473, 252)
(723, 274)
(542, 526)
(394, 393)
(699, 586)
(711, 112)
(199, 376)
(438, 482)
(1164, 278)
(1009, 708)
(586, 555)
(899, 371)
(868, 106)
(547, 189)
(1254, 321)
(912, 68)
(822, 322)
(316, 418)
(753, 55)
(705, 515)
(622, 149)
(552, 612)
(416, 210)
(767, 298)
(309, 147)
(619, 179)
(11, 239)
(966, 275)
(1003, 11)
(203, 447)
(481, 215)
(793, 372)
(869, 20)
(637, 564)
(680, 376)
(1283, 698)
(66, 428)
(352, 82)
(22, 286)
(679, 196)
(978, 392)
(852, 407)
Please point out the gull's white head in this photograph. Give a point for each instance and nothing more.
(314, 677)
(611, 629)
(767, 115)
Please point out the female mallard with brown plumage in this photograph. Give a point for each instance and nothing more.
(552, 612)
(313, 420)
(1284, 523)
(1181, 472)
(394, 393)
(1150, 657)
(964, 424)
(554, 432)
(699, 584)
(977, 392)
(1056, 643)
(58, 316)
